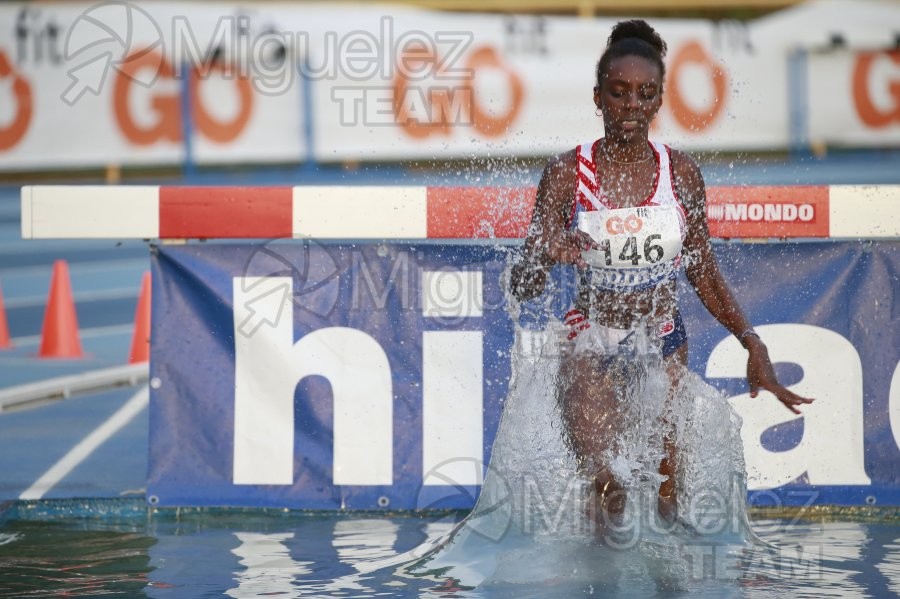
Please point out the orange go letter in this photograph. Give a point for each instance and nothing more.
(687, 117)
(15, 131)
(168, 122)
(870, 114)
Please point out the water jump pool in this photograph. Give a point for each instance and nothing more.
(119, 548)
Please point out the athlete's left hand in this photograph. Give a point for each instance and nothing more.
(761, 375)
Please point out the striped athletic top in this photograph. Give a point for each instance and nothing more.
(640, 246)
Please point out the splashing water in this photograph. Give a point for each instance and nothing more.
(535, 521)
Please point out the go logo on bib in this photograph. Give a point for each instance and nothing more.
(630, 224)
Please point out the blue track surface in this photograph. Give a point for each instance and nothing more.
(106, 278)
(34, 440)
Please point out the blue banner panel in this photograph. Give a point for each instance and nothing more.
(325, 376)
(828, 314)
(366, 376)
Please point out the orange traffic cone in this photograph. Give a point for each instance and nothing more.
(59, 335)
(140, 341)
(5, 341)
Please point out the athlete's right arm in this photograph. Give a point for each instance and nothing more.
(548, 241)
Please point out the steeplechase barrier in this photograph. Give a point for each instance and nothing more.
(351, 347)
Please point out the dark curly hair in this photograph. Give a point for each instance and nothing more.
(632, 38)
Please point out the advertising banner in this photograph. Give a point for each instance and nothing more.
(92, 84)
(324, 376)
(372, 376)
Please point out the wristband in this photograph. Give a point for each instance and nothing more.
(747, 333)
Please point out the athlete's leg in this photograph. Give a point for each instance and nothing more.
(668, 489)
(591, 412)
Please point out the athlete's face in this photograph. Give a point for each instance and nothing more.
(629, 96)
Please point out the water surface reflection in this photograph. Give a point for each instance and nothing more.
(251, 554)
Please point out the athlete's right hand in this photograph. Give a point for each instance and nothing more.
(567, 248)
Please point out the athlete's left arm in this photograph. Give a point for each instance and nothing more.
(703, 273)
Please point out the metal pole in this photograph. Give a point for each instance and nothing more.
(187, 124)
(798, 93)
(307, 114)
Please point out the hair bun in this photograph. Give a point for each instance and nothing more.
(639, 29)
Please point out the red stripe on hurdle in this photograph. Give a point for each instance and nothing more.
(236, 212)
(479, 212)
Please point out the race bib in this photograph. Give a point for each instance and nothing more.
(631, 238)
